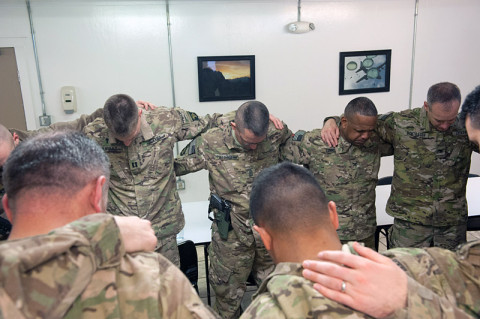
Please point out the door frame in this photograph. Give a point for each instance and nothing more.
(30, 93)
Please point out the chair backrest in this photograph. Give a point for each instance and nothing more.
(189, 261)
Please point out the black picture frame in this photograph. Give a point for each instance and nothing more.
(225, 78)
(364, 71)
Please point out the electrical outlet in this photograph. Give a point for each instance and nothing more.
(180, 184)
(45, 120)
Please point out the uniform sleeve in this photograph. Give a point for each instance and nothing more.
(177, 298)
(386, 127)
(191, 158)
(436, 284)
(386, 149)
(193, 125)
(76, 125)
(424, 303)
(63, 260)
(336, 118)
(295, 149)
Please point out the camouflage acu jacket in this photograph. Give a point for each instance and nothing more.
(81, 271)
(232, 168)
(347, 173)
(286, 294)
(75, 125)
(430, 168)
(445, 284)
(142, 180)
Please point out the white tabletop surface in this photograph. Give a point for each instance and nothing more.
(383, 192)
(197, 224)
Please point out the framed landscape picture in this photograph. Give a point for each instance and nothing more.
(364, 71)
(223, 78)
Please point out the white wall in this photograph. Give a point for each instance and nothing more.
(107, 47)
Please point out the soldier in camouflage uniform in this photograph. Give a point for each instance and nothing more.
(295, 223)
(234, 154)
(140, 147)
(348, 173)
(294, 220)
(11, 137)
(441, 284)
(52, 180)
(431, 164)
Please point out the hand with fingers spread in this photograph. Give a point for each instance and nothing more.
(370, 282)
(276, 121)
(146, 105)
(330, 133)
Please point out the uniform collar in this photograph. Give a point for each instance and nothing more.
(344, 145)
(424, 122)
(230, 138)
(145, 128)
(284, 268)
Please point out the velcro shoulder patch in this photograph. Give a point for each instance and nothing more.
(299, 136)
(385, 116)
(193, 116)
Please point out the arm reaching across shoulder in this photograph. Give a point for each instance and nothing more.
(137, 234)
(330, 132)
(365, 277)
(276, 121)
(375, 285)
(146, 105)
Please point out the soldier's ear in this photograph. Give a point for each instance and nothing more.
(96, 194)
(16, 139)
(332, 211)
(425, 105)
(266, 238)
(7, 209)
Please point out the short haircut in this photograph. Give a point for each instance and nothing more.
(471, 107)
(360, 106)
(287, 198)
(5, 136)
(120, 113)
(254, 116)
(443, 92)
(54, 162)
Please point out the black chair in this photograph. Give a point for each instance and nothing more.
(5, 228)
(387, 180)
(251, 280)
(189, 261)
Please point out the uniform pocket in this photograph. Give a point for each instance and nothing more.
(219, 274)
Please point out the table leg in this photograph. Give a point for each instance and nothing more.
(205, 252)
